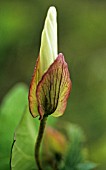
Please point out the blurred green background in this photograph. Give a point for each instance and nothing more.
(82, 39)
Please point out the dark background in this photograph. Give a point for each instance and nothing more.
(82, 39)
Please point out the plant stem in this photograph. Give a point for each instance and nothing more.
(38, 142)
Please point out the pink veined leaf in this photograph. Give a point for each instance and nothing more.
(33, 105)
(54, 88)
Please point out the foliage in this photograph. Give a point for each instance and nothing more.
(76, 157)
(23, 147)
(11, 111)
(15, 113)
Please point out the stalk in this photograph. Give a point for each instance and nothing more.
(38, 142)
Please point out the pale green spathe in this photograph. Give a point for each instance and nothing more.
(48, 49)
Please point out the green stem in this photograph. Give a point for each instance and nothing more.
(38, 142)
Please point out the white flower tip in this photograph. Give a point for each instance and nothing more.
(52, 13)
(48, 48)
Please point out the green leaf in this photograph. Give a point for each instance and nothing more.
(74, 155)
(86, 166)
(23, 148)
(12, 108)
(25, 138)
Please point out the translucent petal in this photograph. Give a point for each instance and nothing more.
(33, 106)
(54, 88)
